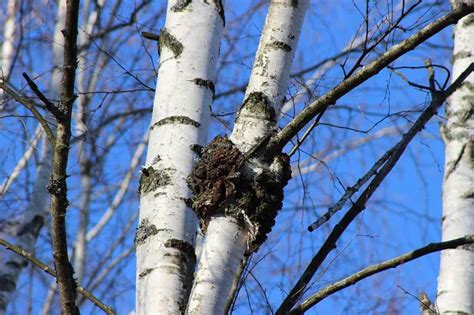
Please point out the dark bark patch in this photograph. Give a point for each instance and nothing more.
(221, 185)
(152, 179)
(180, 5)
(461, 55)
(7, 283)
(468, 20)
(468, 195)
(144, 230)
(207, 84)
(196, 148)
(168, 40)
(258, 104)
(187, 261)
(281, 45)
(220, 10)
(469, 247)
(183, 247)
(188, 202)
(294, 3)
(156, 159)
(184, 120)
(146, 272)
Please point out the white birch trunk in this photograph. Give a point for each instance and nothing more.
(456, 274)
(165, 240)
(32, 147)
(226, 240)
(30, 224)
(8, 45)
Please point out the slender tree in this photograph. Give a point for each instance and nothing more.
(456, 273)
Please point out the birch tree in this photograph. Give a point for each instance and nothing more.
(248, 126)
(456, 273)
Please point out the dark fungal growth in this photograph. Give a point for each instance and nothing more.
(223, 183)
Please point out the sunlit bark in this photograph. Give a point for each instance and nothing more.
(165, 240)
(456, 274)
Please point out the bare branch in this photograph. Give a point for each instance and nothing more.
(32, 108)
(35, 261)
(49, 105)
(397, 150)
(57, 186)
(374, 269)
(299, 122)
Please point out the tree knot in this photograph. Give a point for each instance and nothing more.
(223, 182)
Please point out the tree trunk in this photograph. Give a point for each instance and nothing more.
(165, 239)
(31, 223)
(232, 229)
(456, 274)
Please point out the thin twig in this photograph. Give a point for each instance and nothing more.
(49, 105)
(371, 270)
(438, 98)
(31, 107)
(278, 141)
(35, 261)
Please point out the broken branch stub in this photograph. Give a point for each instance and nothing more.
(223, 183)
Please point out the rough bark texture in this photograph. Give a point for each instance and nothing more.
(456, 276)
(223, 184)
(57, 186)
(165, 240)
(238, 195)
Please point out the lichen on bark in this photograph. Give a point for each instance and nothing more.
(151, 179)
(207, 84)
(144, 230)
(183, 120)
(168, 40)
(180, 5)
(258, 105)
(223, 183)
(281, 45)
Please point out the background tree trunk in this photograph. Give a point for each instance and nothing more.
(456, 273)
(25, 234)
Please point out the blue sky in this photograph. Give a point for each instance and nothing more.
(403, 215)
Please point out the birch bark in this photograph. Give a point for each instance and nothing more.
(165, 239)
(456, 274)
(8, 45)
(227, 239)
